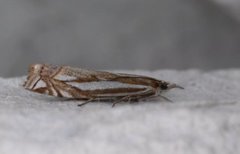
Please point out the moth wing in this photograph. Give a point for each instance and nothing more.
(68, 74)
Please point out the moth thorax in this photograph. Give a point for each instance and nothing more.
(49, 70)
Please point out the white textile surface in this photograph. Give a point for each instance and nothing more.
(204, 118)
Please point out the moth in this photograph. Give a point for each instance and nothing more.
(90, 85)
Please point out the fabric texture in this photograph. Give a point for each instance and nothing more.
(203, 119)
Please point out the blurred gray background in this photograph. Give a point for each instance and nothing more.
(119, 34)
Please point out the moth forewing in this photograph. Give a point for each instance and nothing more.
(83, 84)
(101, 85)
(101, 90)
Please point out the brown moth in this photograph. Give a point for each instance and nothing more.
(89, 85)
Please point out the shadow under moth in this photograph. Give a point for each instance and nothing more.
(89, 85)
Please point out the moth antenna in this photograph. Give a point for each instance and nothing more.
(179, 87)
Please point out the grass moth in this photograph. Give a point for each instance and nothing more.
(89, 85)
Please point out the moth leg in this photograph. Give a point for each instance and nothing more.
(49, 87)
(128, 98)
(41, 90)
(53, 89)
(35, 84)
(120, 100)
(135, 97)
(86, 102)
(165, 98)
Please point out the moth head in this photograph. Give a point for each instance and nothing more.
(166, 86)
(34, 72)
(37, 72)
(35, 68)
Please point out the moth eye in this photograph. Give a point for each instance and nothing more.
(164, 86)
